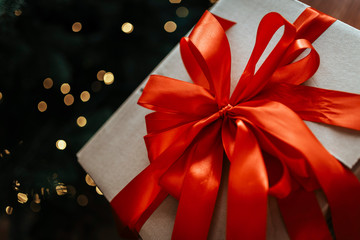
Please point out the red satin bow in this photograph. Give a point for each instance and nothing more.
(260, 127)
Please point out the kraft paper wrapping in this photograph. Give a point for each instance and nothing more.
(117, 153)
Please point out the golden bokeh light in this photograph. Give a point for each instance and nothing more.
(182, 12)
(22, 197)
(170, 26)
(35, 207)
(175, 1)
(42, 106)
(127, 28)
(89, 181)
(81, 121)
(85, 96)
(108, 78)
(61, 189)
(48, 83)
(98, 191)
(65, 88)
(76, 27)
(82, 200)
(7, 152)
(68, 99)
(213, 1)
(17, 12)
(9, 210)
(1, 96)
(60, 144)
(37, 198)
(100, 75)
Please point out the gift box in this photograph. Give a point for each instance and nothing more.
(117, 153)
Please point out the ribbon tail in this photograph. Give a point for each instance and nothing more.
(318, 105)
(200, 186)
(303, 217)
(248, 185)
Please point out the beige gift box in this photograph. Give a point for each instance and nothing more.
(117, 153)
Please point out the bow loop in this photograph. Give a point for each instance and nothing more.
(207, 63)
(250, 82)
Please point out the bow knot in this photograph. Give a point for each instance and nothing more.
(223, 111)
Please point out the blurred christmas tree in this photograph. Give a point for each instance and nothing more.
(66, 66)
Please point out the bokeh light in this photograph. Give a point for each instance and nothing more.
(6, 151)
(1, 96)
(76, 27)
(37, 198)
(9, 210)
(22, 197)
(68, 99)
(100, 75)
(175, 1)
(17, 12)
(89, 181)
(127, 28)
(60, 144)
(82, 200)
(170, 26)
(108, 78)
(65, 88)
(85, 96)
(48, 83)
(98, 191)
(61, 189)
(42, 106)
(81, 121)
(182, 12)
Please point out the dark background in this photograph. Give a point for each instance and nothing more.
(37, 42)
(43, 192)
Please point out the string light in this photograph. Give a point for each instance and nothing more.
(108, 78)
(175, 1)
(60, 144)
(65, 88)
(17, 12)
(85, 96)
(42, 106)
(170, 26)
(100, 75)
(98, 191)
(89, 181)
(9, 210)
(48, 83)
(82, 200)
(127, 28)
(22, 197)
(182, 12)
(76, 27)
(81, 121)
(68, 99)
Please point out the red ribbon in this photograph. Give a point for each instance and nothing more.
(260, 127)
